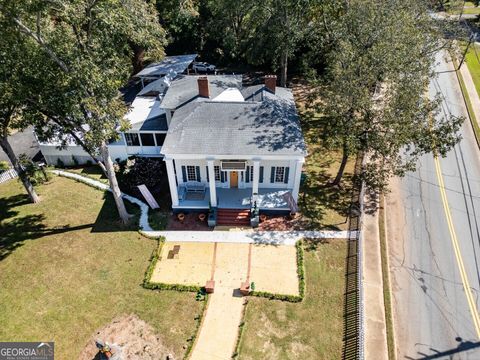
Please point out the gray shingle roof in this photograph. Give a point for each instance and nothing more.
(269, 127)
(185, 88)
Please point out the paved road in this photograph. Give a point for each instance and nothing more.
(435, 302)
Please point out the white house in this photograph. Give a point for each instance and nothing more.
(146, 117)
(232, 147)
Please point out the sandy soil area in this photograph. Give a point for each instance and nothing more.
(134, 337)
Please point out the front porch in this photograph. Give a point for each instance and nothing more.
(267, 199)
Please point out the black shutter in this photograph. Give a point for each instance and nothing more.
(208, 175)
(272, 175)
(222, 176)
(197, 169)
(285, 179)
(261, 174)
(247, 174)
(184, 174)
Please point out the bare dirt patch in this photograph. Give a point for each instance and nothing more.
(135, 337)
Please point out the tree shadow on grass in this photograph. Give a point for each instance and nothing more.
(108, 219)
(15, 230)
(317, 199)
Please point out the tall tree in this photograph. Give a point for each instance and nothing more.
(380, 61)
(88, 43)
(262, 32)
(15, 60)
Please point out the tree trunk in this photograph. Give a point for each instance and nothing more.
(341, 169)
(137, 58)
(21, 174)
(283, 68)
(112, 179)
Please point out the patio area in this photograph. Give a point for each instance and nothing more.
(267, 199)
(272, 268)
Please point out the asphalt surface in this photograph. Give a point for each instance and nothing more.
(433, 318)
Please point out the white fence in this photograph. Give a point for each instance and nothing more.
(7, 175)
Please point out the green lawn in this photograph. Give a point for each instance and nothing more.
(473, 63)
(92, 171)
(67, 267)
(312, 329)
(454, 7)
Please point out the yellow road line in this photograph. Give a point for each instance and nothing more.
(456, 247)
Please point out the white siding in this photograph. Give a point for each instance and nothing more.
(267, 168)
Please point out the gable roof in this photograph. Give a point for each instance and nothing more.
(185, 88)
(268, 127)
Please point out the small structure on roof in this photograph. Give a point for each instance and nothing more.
(177, 64)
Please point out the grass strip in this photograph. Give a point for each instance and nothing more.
(468, 103)
(387, 296)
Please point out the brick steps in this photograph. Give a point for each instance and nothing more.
(236, 217)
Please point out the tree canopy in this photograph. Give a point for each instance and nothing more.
(373, 97)
(88, 46)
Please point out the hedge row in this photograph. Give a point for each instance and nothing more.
(241, 328)
(301, 281)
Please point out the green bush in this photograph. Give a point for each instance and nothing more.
(33, 171)
(60, 164)
(4, 165)
(140, 170)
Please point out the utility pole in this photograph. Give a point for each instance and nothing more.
(471, 40)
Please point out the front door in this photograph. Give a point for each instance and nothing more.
(234, 179)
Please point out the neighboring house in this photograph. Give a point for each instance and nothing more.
(230, 147)
(147, 118)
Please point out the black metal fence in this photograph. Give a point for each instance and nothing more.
(353, 339)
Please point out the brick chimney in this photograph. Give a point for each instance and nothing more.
(271, 82)
(203, 89)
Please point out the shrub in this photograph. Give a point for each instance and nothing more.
(33, 171)
(60, 164)
(4, 165)
(75, 161)
(139, 170)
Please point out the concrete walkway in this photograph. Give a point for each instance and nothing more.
(375, 326)
(219, 331)
(247, 236)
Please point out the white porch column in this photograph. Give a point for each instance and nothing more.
(256, 176)
(211, 183)
(172, 182)
(296, 181)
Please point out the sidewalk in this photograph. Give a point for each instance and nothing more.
(219, 330)
(247, 236)
(375, 326)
